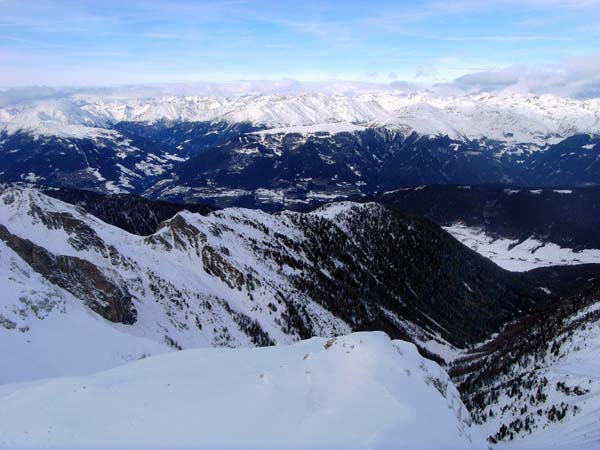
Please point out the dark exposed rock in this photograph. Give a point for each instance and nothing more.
(78, 276)
(215, 264)
(81, 236)
(7, 323)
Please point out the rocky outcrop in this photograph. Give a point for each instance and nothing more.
(216, 265)
(79, 277)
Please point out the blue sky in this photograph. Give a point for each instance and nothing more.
(84, 42)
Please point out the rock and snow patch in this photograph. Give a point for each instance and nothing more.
(228, 278)
(362, 391)
(329, 128)
(46, 332)
(197, 282)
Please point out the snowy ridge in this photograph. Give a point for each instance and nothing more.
(64, 118)
(45, 331)
(361, 391)
(183, 297)
(231, 278)
(511, 118)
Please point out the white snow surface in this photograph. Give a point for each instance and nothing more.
(362, 391)
(577, 365)
(511, 118)
(527, 255)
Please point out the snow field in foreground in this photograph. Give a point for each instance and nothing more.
(361, 391)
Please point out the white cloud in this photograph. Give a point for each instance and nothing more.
(577, 77)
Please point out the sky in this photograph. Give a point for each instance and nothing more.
(538, 45)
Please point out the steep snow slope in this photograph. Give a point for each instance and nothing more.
(361, 391)
(537, 385)
(509, 118)
(162, 288)
(45, 331)
(511, 254)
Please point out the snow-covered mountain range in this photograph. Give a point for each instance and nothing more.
(85, 293)
(277, 152)
(236, 278)
(513, 118)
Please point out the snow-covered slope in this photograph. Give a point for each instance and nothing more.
(234, 278)
(55, 118)
(362, 391)
(537, 384)
(517, 256)
(199, 281)
(45, 331)
(510, 118)
(180, 287)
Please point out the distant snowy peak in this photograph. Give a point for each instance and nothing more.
(512, 118)
(64, 118)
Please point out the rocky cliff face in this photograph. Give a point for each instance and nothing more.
(76, 275)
